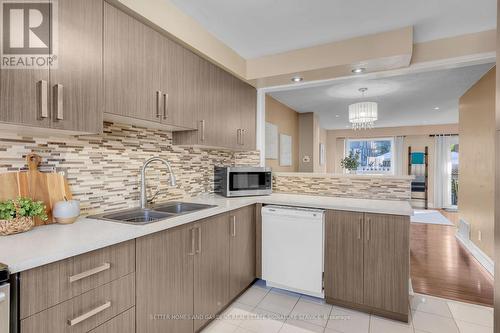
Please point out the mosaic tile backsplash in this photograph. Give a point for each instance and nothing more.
(363, 187)
(103, 171)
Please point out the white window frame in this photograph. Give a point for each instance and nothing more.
(391, 139)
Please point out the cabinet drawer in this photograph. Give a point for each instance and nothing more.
(49, 285)
(123, 323)
(85, 312)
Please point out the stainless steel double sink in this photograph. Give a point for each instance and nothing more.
(155, 213)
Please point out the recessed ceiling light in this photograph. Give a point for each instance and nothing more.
(297, 79)
(436, 108)
(336, 116)
(358, 70)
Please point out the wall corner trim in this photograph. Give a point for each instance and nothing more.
(476, 252)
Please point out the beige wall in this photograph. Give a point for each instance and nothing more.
(477, 161)
(310, 136)
(287, 121)
(306, 142)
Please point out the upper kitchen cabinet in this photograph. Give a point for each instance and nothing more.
(226, 117)
(76, 83)
(148, 77)
(248, 115)
(132, 68)
(182, 79)
(24, 93)
(66, 95)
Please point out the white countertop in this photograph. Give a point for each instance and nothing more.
(343, 175)
(47, 244)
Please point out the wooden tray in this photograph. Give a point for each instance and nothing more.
(48, 187)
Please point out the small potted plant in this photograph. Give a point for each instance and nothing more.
(351, 162)
(18, 215)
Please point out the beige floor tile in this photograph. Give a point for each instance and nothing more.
(253, 296)
(434, 305)
(278, 302)
(433, 323)
(471, 313)
(298, 326)
(383, 325)
(263, 322)
(314, 313)
(348, 321)
(237, 313)
(242, 330)
(466, 327)
(220, 326)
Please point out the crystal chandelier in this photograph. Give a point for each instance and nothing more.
(364, 114)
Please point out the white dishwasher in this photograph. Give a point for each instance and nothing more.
(293, 248)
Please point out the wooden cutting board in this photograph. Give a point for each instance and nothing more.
(49, 187)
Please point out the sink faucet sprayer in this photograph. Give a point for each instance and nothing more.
(144, 198)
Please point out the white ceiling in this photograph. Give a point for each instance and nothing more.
(405, 100)
(255, 28)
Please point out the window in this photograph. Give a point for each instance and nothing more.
(375, 155)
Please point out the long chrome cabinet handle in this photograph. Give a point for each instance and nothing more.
(165, 106)
(202, 130)
(233, 226)
(242, 137)
(367, 229)
(198, 250)
(58, 101)
(43, 106)
(238, 136)
(191, 235)
(90, 272)
(91, 313)
(359, 227)
(158, 103)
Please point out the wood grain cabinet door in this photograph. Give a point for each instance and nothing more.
(181, 77)
(132, 67)
(123, 323)
(22, 96)
(211, 272)
(248, 114)
(76, 82)
(386, 262)
(164, 273)
(242, 249)
(344, 256)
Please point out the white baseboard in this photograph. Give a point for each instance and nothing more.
(464, 238)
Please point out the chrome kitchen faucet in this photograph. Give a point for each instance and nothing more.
(144, 198)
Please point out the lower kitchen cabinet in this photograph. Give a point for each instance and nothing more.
(242, 250)
(367, 262)
(344, 256)
(164, 272)
(211, 268)
(187, 275)
(386, 262)
(123, 323)
(85, 312)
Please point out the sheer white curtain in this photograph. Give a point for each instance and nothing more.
(398, 155)
(442, 171)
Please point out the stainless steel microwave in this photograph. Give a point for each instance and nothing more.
(243, 181)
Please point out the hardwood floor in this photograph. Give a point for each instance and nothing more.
(442, 267)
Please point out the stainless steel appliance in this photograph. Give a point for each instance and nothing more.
(243, 181)
(4, 299)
